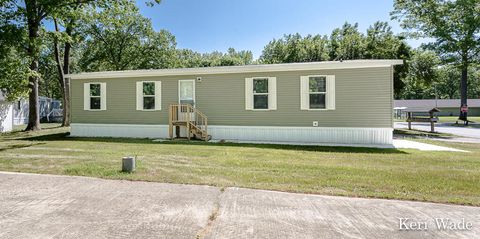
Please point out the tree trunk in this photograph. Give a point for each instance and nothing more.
(61, 76)
(463, 88)
(66, 103)
(66, 70)
(34, 106)
(33, 52)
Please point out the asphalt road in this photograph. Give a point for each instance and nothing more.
(46, 206)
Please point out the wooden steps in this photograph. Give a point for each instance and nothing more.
(193, 120)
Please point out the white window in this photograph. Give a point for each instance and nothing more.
(186, 92)
(95, 96)
(317, 89)
(149, 95)
(261, 93)
(317, 92)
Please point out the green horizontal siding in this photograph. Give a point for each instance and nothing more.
(363, 99)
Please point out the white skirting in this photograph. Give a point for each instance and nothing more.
(343, 135)
(119, 130)
(328, 135)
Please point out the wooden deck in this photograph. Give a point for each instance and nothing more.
(194, 121)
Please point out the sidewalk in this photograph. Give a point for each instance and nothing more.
(47, 206)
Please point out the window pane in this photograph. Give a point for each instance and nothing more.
(317, 101)
(95, 103)
(260, 86)
(191, 102)
(148, 88)
(317, 84)
(186, 90)
(148, 103)
(260, 101)
(94, 89)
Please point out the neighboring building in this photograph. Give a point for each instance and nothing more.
(6, 114)
(446, 107)
(347, 102)
(50, 110)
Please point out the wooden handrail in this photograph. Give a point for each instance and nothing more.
(190, 116)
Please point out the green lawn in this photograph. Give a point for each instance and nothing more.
(448, 177)
(447, 119)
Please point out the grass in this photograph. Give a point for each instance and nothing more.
(452, 119)
(474, 121)
(446, 177)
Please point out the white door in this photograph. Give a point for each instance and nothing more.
(186, 95)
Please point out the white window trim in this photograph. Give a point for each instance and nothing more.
(157, 96)
(326, 92)
(271, 94)
(102, 98)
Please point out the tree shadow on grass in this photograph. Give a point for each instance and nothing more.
(315, 148)
(333, 149)
(48, 137)
(17, 146)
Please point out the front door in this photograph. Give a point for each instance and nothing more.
(186, 95)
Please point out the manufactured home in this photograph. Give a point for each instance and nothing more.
(50, 110)
(6, 114)
(344, 102)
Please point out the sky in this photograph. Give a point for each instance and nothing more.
(209, 25)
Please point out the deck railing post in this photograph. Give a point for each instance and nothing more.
(188, 116)
(188, 121)
(206, 130)
(170, 125)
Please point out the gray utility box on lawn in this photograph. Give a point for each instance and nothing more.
(128, 164)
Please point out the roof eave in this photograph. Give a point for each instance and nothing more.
(238, 69)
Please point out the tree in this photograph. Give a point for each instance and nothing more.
(347, 43)
(14, 74)
(120, 38)
(29, 15)
(188, 58)
(381, 43)
(422, 72)
(69, 19)
(295, 48)
(14, 70)
(455, 26)
(49, 85)
(448, 85)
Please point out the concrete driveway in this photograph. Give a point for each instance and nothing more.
(46, 206)
(443, 128)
